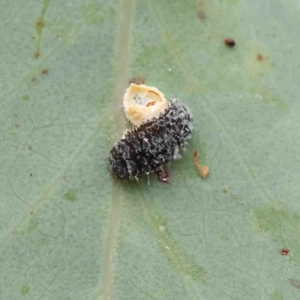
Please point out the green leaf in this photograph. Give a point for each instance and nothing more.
(71, 231)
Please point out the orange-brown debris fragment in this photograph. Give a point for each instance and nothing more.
(36, 54)
(202, 170)
(201, 15)
(150, 103)
(229, 42)
(259, 57)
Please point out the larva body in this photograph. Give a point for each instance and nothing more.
(155, 142)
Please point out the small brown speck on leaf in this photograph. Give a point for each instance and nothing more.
(36, 54)
(138, 80)
(202, 170)
(39, 23)
(225, 191)
(259, 57)
(29, 147)
(229, 42)
(201, 15)
(31, 212)
(284, 252)
(45, 72)
(295, 283)
(17, 125)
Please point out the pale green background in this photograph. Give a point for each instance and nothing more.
(69, 231)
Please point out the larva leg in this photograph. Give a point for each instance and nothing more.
(163, 176)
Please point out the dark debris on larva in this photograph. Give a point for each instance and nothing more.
(155, 142)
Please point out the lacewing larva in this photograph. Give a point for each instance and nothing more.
(161, 129)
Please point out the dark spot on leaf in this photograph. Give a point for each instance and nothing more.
(40, 24)
(225, 191)
(259, 57)
(29, 147)
(17, 125)
(36, 54)
(295, 283)
(30, 174)
(31, 212)
(138, 80)
(25, 289)
(201, 15)
(45, 72)
(229, 42)
(70, 195)
(26, 97)
(284, 251)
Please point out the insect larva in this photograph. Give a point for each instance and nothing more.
(161, 130)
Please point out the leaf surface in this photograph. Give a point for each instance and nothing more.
(69, 230)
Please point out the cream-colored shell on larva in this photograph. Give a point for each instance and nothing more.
(142, 103)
